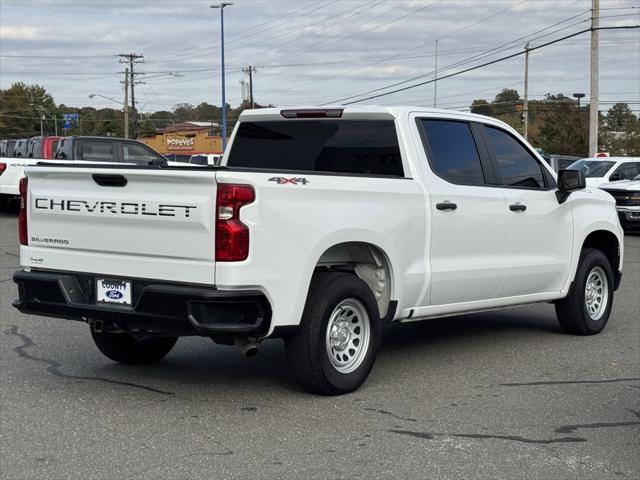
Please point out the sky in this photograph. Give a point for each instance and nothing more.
(310, 52)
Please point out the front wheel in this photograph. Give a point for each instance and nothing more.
(133, 349)
(586, 308)
(335, 347)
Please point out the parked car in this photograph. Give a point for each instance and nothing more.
(81, 150)
(560, 162)
(208, 159)
(627, 195)
(107, 149)
(42, 147)
(608, 169)
(321, 225)
(20, 148)
(8, 148)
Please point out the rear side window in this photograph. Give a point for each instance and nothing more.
(452, 152)
(340, 146)
(97, 151)
(516, 166)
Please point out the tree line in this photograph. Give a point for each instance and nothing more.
(560, 125)
(557, 123)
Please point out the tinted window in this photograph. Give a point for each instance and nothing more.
(592, 168)
(453, 152)
(97, 151)
(626, 171)
(198, 160)
(345, 146)
(139, 154)
(516, 166)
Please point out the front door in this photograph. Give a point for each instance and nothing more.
(540, 229)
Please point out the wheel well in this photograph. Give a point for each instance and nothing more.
(366, 261)
(608, 244)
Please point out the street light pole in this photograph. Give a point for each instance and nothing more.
(224, 101)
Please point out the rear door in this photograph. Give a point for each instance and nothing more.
(123, 222)
(467, 215)
(540, 229)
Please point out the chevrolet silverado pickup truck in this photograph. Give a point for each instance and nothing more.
(627, 196)
(319, 226)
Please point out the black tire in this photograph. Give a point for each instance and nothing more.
(572, 311)
(138, 350)
(307, 354)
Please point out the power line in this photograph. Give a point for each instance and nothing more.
(490, 63)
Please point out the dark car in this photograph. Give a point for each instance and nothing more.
(107, 149)
(21, 147)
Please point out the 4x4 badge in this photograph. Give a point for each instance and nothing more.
(285, 180)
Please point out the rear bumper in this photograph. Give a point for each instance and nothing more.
(163, 308)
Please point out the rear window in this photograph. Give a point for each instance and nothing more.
(340, 146)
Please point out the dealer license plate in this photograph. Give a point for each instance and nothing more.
(113, 291)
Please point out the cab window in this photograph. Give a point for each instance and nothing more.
(139, 154)
(452, 151)
(516, 166)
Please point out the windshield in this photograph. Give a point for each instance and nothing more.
(592, 168)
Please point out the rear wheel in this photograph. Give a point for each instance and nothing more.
(335, 346)
(133, 349)
(586, 308)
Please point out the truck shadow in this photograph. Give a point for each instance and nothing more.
(198, 365)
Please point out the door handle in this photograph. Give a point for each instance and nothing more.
(446, 206)
(517, 207)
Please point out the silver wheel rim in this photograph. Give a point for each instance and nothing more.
(348, 335)
(596, 293)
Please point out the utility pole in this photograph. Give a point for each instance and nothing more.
(593, 105)
(526, 91)
(250, 70)
(224, 101)
(435, 83)
(41, 125)
(132, 59)
(126, 102)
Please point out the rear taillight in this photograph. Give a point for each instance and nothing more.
(232, 236)
(22, 215)
(3, 167)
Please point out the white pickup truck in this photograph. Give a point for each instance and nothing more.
(320, 225)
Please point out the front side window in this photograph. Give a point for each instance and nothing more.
(97, 151)
(516, 166)
(626, 171)
(452, 151)
(340, 146)
(198, 160)
(138, 154)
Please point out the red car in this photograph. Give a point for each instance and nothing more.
(42, 147)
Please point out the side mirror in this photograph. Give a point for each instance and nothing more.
(615, 176)
(569, 181)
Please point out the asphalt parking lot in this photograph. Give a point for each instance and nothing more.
(492, 395)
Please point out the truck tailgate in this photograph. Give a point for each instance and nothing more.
(123, 222)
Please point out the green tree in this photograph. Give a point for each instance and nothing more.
(621, 131)
(21, 110)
